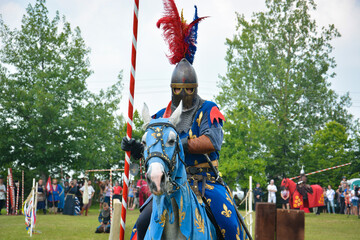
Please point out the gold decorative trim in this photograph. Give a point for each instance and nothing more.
(184, 85)
(163, 218)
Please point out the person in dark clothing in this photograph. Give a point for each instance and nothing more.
(41, 193)
(104, 219)
(258, 193)
(341, 191)
(71, 206)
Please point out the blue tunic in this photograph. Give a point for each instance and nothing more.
(54, 195)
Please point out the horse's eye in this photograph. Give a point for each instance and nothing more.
(143, 139)
(171, 140)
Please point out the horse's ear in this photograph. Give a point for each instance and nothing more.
(145, 115)
(175, 117)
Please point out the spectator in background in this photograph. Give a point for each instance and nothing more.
(271, 192)
(41, 196)
(71, 206)
(104, 219)
(330, 194)
(325, 200)
(118, 192)
(258, 193)
(136, 197)
(341, 192)
(354, 200)
(91, 192)
(54, 196)
(343, 181)
(285, 194)
(2, 193)
(108, 189)
(131, 195)
(347, 201)
(78, 193)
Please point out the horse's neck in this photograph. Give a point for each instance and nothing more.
(292, 185)
(172, 231)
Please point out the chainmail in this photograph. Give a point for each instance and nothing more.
(188, 115)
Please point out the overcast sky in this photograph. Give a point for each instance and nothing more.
(106, 27)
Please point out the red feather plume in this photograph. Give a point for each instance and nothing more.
(176, 31)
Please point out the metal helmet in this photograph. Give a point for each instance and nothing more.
(184, 84)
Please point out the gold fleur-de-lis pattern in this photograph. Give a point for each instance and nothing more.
(199, 118)
(209, 201)
(199, 222)
(226, 212)
(163, 218)
(229, 198)
(181, 213)
(191, 135)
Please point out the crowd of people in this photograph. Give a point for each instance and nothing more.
(343, 200)
(66, 197)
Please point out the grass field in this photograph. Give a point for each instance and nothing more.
(323, 227)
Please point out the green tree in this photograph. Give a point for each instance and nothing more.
(242, 154)
(48, 117)
(279, 66)
(329, 147)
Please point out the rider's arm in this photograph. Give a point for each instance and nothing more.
(210, 139)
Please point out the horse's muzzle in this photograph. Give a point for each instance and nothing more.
(156, 178)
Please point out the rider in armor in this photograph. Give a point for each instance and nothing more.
(302, 186)
(200, 130)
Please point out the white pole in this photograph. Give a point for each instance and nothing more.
(36, 200)
(32, 212)
(250, 204)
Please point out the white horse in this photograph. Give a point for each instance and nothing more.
(176, 212)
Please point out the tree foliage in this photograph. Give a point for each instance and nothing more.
(279, 66)
(329, 147)
(48, 118)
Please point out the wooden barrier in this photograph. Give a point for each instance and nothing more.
(290, 224)
(265, 221)
(279, 224)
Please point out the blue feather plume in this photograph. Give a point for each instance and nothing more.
(191, 39)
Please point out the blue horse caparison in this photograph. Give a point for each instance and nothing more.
(176, 212)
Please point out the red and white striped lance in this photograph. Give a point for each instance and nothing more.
(323, 170)
(17, 199)
(7, 195)
(130, 123)
(105, 170)
(22, 189)
(12, 190)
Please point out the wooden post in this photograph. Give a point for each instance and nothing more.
(290, 224)
(250, 205)
(265, 221)
(115, 224)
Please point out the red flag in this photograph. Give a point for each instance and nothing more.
(48, 184)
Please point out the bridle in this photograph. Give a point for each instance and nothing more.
(158, 129)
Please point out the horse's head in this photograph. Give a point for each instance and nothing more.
(285, 183)
(162, 151)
